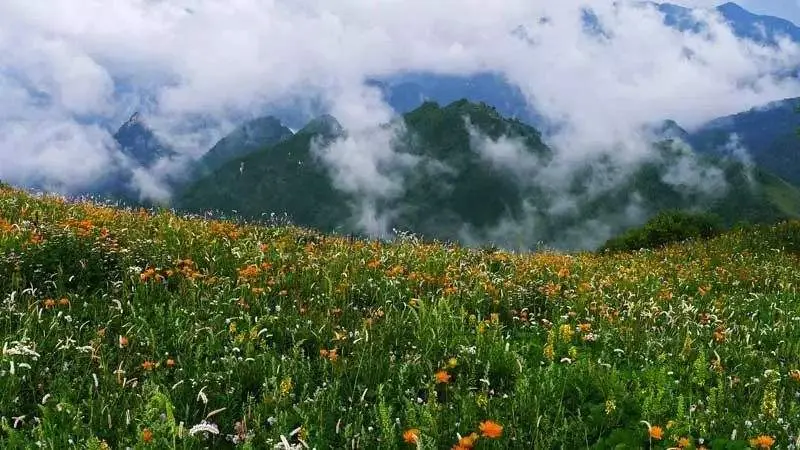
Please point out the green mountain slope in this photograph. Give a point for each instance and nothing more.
(463, 172)
(767, 133)
(249, 137)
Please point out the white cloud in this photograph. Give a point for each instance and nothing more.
(64, 62)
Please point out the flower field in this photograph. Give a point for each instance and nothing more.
(144, 329)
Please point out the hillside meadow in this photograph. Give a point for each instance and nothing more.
(145, 329)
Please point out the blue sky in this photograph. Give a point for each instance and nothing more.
(788, 9)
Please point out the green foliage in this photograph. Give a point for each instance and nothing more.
(456, 191)
(666, 228)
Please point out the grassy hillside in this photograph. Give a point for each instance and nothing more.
(149, 330)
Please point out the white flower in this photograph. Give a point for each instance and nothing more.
(204, 427)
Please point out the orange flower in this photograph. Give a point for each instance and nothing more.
(147, 435)
(49, 303)
(683, 442)
(442, 377)
(794, 375)
(491, 429)
(467, 442)
(411, 436)
(63, 302)
(720, 334)
(123, 341)
(656, 432)
(148, 365)
(762, 442)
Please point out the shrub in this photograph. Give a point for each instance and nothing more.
(665, 228)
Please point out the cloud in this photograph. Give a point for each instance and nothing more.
(366, 166)
(72, 70)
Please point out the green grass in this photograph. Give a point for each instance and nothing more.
(128, 328)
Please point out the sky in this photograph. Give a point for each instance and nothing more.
(787, 9)
(66, 64)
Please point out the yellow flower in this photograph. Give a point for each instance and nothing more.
(566, 332)
(286, 386)
(549, 353)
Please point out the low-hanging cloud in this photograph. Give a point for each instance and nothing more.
(71, 71)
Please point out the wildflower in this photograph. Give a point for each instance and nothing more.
(148, 365)
(170, 363)
(719, 335)
(452, 363)
(656, 432)
(442, 377)
(611, 406)
(49, 303)
(147, 435)
(411, 436)
(491, 429)
(585, 327)
(333, 355)
(286, 386)
(468, 441)
(762, 442)
(548, 352)
(794, 375)
(566, 332)
(123, 341)
(683, 442)
(63, 302)
(204, 426)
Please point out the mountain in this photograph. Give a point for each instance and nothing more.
(406, 92)
(767, 30)
(138, 142)
(251, 136)
(465, 172)
(766, 134)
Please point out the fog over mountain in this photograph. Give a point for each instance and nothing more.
(72, 72)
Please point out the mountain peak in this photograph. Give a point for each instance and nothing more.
(136, 118)
(137, 141)
(731, 6)
(325, 124)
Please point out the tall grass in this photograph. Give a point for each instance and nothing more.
(124, 328)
